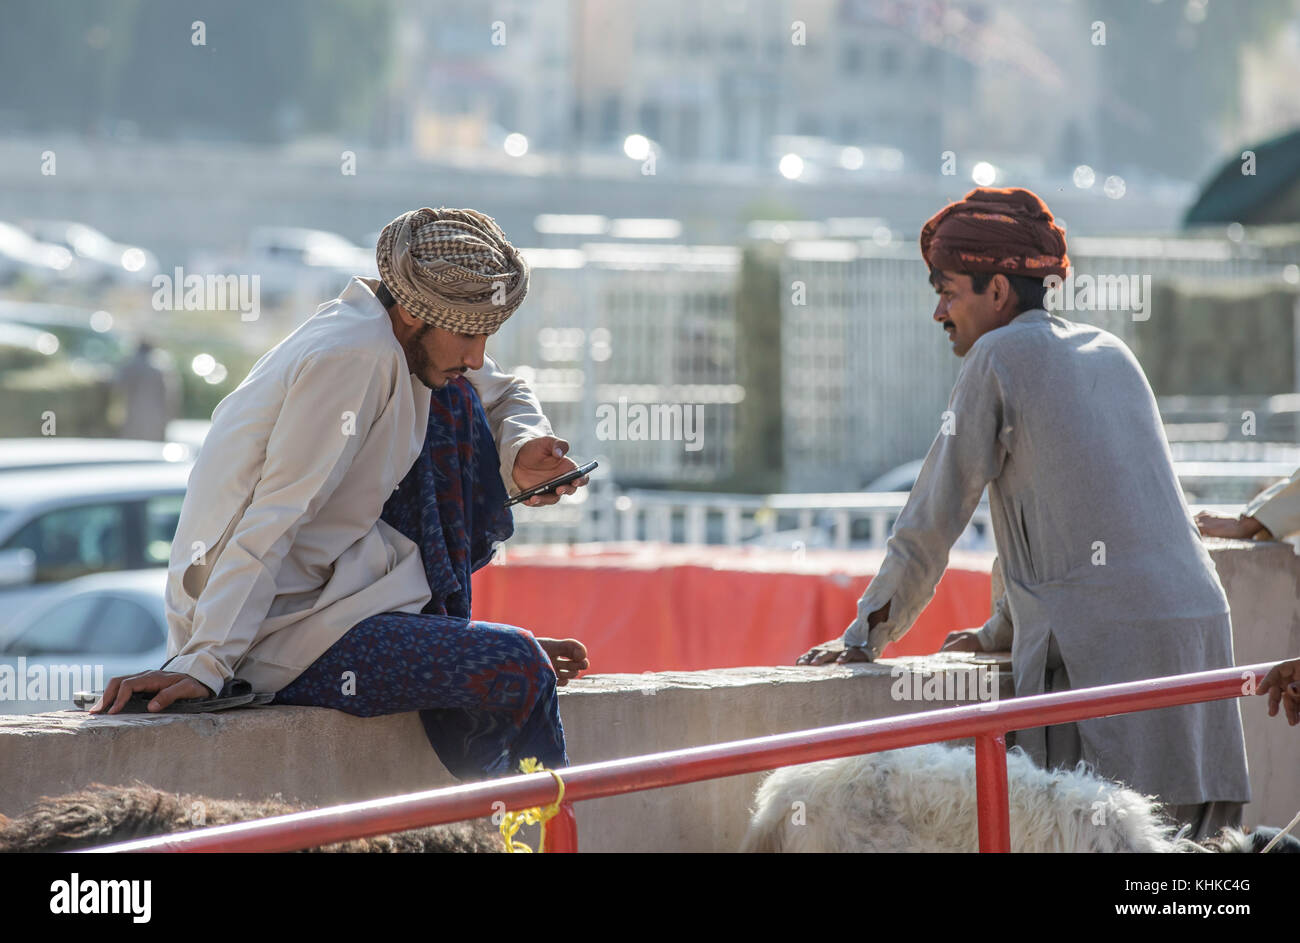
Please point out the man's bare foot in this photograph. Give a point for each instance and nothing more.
(568, 656)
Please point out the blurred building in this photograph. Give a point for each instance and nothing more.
(723, 83)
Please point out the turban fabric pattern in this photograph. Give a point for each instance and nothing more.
(993, 230)
(454, 269)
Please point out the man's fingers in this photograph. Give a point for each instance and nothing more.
(175, 692)
(110, 693)
(1272, 680)
(124, 692)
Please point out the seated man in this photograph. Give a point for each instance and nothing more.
(348, 488)
(1106, 578)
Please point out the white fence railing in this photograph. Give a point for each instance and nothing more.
(790, 521)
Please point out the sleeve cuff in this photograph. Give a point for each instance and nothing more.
(1279, 525)
(202, 667)
(987, 638)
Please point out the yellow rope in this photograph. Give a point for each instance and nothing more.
(511, 822)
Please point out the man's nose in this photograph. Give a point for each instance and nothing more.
(940, 314)
(473, 357)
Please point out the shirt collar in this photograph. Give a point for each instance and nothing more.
(360, 293)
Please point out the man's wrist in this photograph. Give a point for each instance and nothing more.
(1252, 526)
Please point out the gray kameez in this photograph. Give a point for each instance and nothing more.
(1096, 541)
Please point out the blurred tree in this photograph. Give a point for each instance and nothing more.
(267, 70)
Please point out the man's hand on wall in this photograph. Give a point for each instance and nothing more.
(1233, 528)
(964, 641)
(836, 651)
(170, 685)
(1282, 685)
(833, 651)
(538, 461)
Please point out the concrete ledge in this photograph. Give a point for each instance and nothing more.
(1262, 580)
(322, 756)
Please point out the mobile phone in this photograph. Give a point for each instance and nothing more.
(548, 486)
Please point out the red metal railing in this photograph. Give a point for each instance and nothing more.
(987, 723)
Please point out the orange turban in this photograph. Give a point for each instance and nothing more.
(1008, 230)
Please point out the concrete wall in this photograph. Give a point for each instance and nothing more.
(322, 756)
(1262, 581)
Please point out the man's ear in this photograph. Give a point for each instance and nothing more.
(1004, 299)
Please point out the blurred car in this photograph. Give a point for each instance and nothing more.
(97, 258)
(901, 478)
(23, 347)
(313, 248)
(63, 523)
(291, 261)
(82, 334)
(84, 633)
(47, 452)
(21, 256)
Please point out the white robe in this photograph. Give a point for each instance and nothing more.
(1096, 542)
(279, 548)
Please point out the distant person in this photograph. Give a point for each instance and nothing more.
(1106, 578)
(1273, 514)
(348, 489)
(150, 389)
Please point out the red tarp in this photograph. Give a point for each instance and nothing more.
(669, 607)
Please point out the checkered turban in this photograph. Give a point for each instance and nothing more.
(454, 269)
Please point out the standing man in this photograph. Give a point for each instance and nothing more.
(346, 491)
(1106, 577)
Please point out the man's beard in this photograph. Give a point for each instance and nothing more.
(420, 363)
(419, 359)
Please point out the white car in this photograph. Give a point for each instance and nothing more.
(88, 631)
(58, 524)
(293, 262)
(39, 454)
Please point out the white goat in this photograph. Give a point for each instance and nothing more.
(923, 799)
